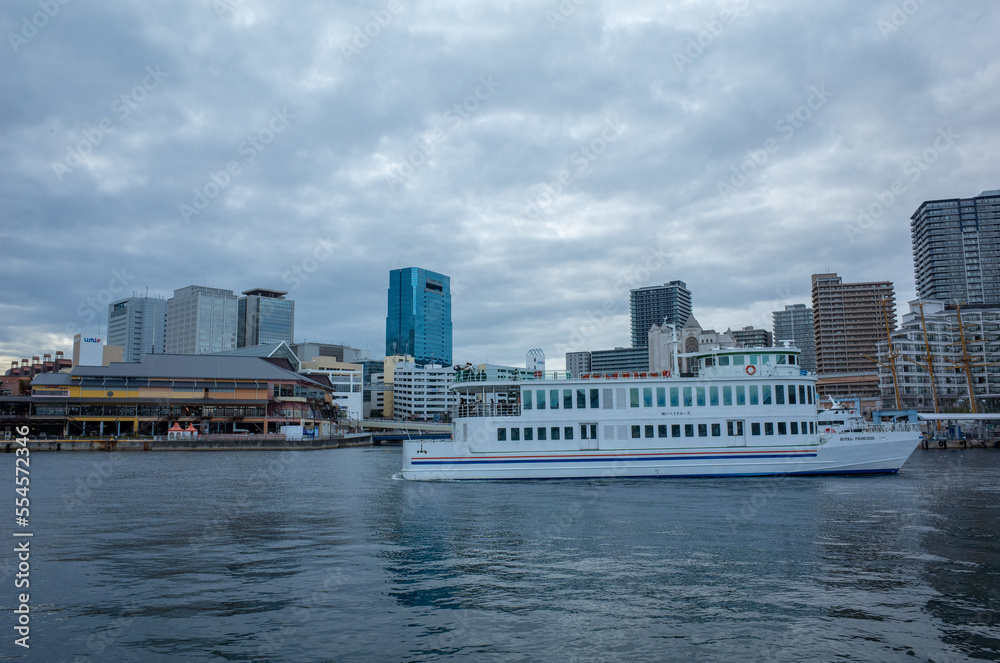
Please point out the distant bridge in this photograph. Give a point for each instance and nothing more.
(405, 426)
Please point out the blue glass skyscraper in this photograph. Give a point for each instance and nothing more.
(419, 316)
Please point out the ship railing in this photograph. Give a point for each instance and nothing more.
(464, 410)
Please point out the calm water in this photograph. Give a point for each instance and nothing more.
(321, 555)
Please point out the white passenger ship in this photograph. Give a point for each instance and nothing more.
(750, 412)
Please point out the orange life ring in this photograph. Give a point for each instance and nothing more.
(751, 369)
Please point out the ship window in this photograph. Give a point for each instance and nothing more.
(802, 394)
(687, 397)
(675, 430)
(581, 398)
(713, 395)
(649, 431)
(812, 427)
(754, 359)
(779, 394)
(702, 430)
(635, 432)
(529, 433)
(768, 428)
(765, 394)
(623, 432)
(567, 399)
(804, 427)
(595, 401)
(755, 428)
(593, 431)
(792, 359)
(661, 397)
(740, 395)
(727, 395)
(674, 400)
(647, 397)
(527, 399)
(688, 430)
(555, 432)
(716, 430)
(583, 432)
(738, 360)
(633, 397)
(782, 428)
(541, 433)
(795, 427)
(791, 394)
(620, 398)
(709, 361)
(724, 360)
(661, 430)
(765, 359)
(554, 399)
(515, 434)
(568, 432)
(781, 359)
(753, 395)
(501, 435)
(700, 394)
(729, 428)
(809, 391)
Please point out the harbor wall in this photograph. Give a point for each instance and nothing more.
(213, 443)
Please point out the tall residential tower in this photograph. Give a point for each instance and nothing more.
(653, 304)
(956, 249)
(795, 324)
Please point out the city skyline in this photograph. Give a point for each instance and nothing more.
(739, 155)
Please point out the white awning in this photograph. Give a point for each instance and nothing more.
(957, 416)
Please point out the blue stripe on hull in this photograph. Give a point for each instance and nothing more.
(683, 476)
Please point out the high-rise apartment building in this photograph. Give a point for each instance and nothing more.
(956, 249)
(201, 320)
(652, 305)
(264, 316)
(751, 337)
(419, 316)
(795, 324)
(577, 363)
(849, 319)
(138, 325)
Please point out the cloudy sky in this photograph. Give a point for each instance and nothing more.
(547, 156)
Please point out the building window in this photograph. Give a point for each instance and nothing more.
(501, 435)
